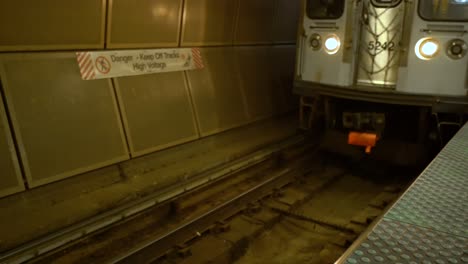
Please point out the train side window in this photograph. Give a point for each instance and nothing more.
(444, 10)
(325, 9)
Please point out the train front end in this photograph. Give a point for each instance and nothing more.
(372, 66)
(413, 51)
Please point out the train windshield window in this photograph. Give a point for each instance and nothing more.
(444, 10)
(325, 9)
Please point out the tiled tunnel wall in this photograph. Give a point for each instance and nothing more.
(64, 126)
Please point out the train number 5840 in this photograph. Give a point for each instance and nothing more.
(378, 46)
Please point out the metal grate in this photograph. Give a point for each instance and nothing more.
(457, 148)
(429, 223)
(397, 242)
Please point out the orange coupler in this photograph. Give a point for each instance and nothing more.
(367, 140)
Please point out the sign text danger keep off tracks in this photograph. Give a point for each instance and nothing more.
(108, 64)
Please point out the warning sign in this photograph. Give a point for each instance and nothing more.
(108, 64)
(103, 65)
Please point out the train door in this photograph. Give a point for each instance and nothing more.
(325, 46)
(379, 51)
(437, 61)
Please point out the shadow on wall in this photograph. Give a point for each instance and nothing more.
(248, 47)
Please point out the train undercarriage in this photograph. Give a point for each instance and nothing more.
(404, 129)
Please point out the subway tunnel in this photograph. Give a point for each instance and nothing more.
(72, 148)
(223, 131)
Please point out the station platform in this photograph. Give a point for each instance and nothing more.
(429, 223)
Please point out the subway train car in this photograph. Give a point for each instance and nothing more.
(375, 64)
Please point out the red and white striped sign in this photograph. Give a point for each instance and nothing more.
(197, 58)
(86, 65)
(109, 64)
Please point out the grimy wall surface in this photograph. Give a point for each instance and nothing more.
(54, 125)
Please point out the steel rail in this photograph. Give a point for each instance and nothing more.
(51, 242)
(152, 250)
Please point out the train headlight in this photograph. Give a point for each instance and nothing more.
(332, 44)
(457, 49)
(427, 48)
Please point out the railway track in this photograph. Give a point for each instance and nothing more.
(312, 220)
(224, 222)
(109, 234)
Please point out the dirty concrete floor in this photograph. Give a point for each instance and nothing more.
(34, 213)
(290, 241)
(313, 220)
(297, 241)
